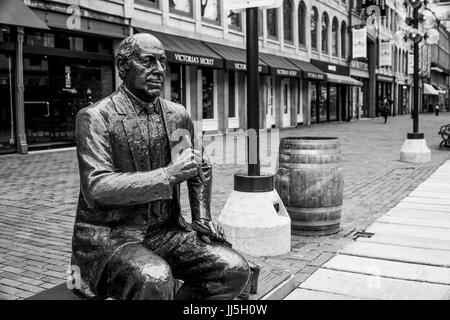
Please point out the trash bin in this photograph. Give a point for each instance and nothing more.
(310, 184)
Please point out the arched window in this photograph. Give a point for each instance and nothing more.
(272, 24)
(287, 20)
(334, 37)
(343, 40)
(325, 27)
(301, 23)
(314, 28)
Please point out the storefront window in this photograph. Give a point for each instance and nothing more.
(56, 88)
(333, 102)
(7, 134)
(270, 96)
(5, 34)
(68, 42)
(40, 39)
(183, 7)
(285, 98)
(208, 93)
(323, 103)
(232, 94)
(314, 103)
(234, 21)
(272, 24)
(287, 20)
(210, 11)
(176, 84)
(314, 28)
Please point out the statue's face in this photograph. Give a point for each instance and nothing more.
(147, 72)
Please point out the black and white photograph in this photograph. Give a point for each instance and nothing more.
(250, 151)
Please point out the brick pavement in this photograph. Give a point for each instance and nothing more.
(38, 194)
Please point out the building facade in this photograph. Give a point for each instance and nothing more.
(437, 74)
(64, 62)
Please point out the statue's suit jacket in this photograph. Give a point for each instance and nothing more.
(117, 184)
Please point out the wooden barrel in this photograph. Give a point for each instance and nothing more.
(310, 183)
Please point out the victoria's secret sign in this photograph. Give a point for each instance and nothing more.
(286, 72)
(240, 66)
(193, 59)
(313, 75)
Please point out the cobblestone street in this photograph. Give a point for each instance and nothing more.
(39, 191)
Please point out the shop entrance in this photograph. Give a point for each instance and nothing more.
(286, 102)
(270, 114)
(7, 114)
(55, 90)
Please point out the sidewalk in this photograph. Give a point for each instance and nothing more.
(38, 197)
(405, 254)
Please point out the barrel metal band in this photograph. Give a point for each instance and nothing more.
(314, 210)
(311, 165)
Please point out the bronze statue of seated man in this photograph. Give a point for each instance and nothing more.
(130, 240)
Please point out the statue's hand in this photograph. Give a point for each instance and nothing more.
(209, 230)
(184, 166)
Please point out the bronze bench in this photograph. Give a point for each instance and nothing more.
(445, 134)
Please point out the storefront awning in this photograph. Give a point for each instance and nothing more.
(309, 71)
(337, 78)
(439, 89)
(428, 89)
(235, 58)
(187, 51)
(16, 13)
(280, 66)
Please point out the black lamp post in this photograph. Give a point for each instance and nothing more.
(415, 149)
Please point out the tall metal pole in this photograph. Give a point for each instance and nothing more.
(416, 76)
(253, 93)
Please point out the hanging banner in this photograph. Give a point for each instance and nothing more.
(360, 43)
(410, 62)
(385, 53)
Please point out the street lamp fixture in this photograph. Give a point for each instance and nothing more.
(421, 26)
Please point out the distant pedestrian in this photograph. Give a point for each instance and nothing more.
(436, 110)
(385, 109)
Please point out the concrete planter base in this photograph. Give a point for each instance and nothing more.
(415, 151)
(257, 223)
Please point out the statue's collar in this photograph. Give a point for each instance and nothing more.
(141, 105)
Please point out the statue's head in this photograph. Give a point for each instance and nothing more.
(141, 62)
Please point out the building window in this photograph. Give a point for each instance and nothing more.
(260, 24)
(314, 28)
(325, 24)
(183, 7)
(285, 98)
(272, 24)
(287, 20)
(176, 83)
(208, 93)
(7, 127)
(334, 36)
(343, 40)
(68, 42)
(151, 3)
(234, 21)
(210, 11)
(232, 94)
(301, 23)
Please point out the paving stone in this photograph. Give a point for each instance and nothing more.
(39, 193)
